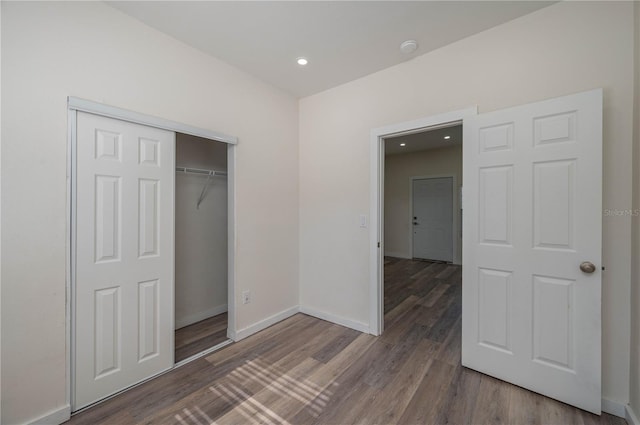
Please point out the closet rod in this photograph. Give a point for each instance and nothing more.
(201, 172)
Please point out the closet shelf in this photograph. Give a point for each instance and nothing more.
(201, 172)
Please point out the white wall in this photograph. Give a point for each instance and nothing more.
(398, 170)
(201, 233)
(634, 391)
(51, 50)
(562, 49)
(0, 219)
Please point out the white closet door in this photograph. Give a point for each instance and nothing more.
(533, 215)
(125, 255)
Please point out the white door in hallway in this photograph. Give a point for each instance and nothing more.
(532, 247)
(432, 223)
(123, 293)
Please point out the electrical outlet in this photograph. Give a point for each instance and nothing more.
(246, 297)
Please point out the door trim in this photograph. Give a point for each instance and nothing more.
(376, 202)
(454, 208)
(78, 104)
(74, 105)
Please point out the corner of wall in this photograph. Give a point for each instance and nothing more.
(634, 382)
(263, 324)
(0, 219)
(631, 417)
(298, 194)
(333, 318)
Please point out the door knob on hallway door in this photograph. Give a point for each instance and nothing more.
(587, 267)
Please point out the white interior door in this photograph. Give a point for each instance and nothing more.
(533, 214)
(124, 255)
(433, 218)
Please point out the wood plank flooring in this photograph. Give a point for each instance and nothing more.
(307, 371)
(200, 336)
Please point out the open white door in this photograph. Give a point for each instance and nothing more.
(124, 255)
(533, 215)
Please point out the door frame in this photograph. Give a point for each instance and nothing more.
(75, 105)
(454, 207)
(376, 206)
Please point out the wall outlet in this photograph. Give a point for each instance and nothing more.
(246, 297)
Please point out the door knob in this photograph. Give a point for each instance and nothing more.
(587, 267)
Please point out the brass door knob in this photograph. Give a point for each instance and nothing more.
(587, 267)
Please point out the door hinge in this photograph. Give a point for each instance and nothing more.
(378, 244)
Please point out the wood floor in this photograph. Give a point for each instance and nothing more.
(307, 371)
(200, 336)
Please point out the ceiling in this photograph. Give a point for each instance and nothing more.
(430, 139)
(343, 40)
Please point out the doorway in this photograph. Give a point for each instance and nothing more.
(531, 287)
(387, 240)
(421, 171)
(123, 218)
(201, 278)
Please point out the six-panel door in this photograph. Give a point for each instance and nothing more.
(533, 214)
(124, 255)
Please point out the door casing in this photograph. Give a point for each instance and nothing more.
(74, 105)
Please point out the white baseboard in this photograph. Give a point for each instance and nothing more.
(201, 315)
(397, 255)
(56, 417)
(263, 324)
(613, 408)
(349, 323)
(630, 416)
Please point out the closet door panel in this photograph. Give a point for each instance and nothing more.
(148, 217)
(123, 290)
(108, 218)
(148, 323)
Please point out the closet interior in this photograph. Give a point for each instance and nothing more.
(200, 245)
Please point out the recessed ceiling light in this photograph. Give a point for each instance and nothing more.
(409, 46)
(403, 144)
(302, 61)
(447, 137)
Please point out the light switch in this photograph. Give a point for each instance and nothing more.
(363, 220)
